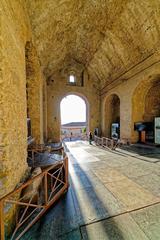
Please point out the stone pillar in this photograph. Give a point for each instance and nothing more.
(126, 117)
(34, 79)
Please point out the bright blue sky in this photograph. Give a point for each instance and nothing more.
(73, 109)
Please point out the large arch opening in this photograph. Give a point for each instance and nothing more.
(146, 111)
(112, 116)
(74, 117)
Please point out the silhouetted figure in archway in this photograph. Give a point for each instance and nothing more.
(90, 138)
(95, 132)
(71, 136)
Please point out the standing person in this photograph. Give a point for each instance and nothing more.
(95, 133)
(90, 137)
(71, 137)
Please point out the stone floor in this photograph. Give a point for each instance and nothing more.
(112, 195)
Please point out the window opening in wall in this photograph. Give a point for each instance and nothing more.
(72, 79)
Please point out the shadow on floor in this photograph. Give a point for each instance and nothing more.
(82, 204)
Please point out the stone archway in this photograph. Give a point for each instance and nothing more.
(152, 103)
(145, 103)
(85, 100)
(111, 113)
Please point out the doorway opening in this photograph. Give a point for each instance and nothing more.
(74, 118)
(112, 116)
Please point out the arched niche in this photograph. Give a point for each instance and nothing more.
(111, 113)
(152, 103)
(145, 103)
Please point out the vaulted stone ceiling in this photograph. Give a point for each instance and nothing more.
(107, 37)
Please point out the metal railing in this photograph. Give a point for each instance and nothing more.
(98, 141)
(106, 142)
(30, 207)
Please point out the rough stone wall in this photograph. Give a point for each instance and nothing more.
(13, 129)
(109, 37)
(34, 80)
(115, 108)
(131, 36)
(59, 88)
(45, 134)
(107, 117)
(73, 29)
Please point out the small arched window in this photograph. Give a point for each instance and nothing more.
(72, 79)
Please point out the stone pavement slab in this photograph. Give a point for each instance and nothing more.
(83, 179)
(135, 170)
(95, 203)
(117, 228)
(114, 161)
(132, 195)
(150, 182)
(108, 175)
(148, 220)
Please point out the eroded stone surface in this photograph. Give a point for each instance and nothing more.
(107, 37)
